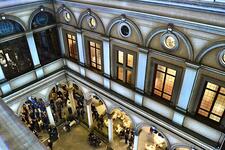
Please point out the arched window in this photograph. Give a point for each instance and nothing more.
(15, 57)
(46, 40)
(9, 27)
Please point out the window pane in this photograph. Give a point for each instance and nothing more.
(99, 67)
(73, 37)
(93, 64)
(207, 100)
(130, 60)
(98, 57)
(219, 106)
(203, 113)
(169, 83)
(129, 76)
(212, 86)
(159, 80)
(171, 71)
(166, 96)
(97, 45)
(222, 90)
(120, 57)
(215, 118)
(162, 68)
(157, 92)
(93, 59)
(92, 44)
(120, 73)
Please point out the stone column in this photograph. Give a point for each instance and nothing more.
(81, 52)
(33, 49)
(89, 113)
(50, 116)
(14, 133)
(136, 138)
(34, 55)
(106, 58)
(72, 101)
(187, 86)
(110, 128)
(61, 40)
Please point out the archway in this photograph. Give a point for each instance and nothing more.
(123, 133)
(58, 98)
(33, 114)
(151, 138)
(99, 115)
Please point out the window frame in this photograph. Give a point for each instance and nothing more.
(203, 88)
(88, 54)
(151, 81)
(66, 32)
(125, 51)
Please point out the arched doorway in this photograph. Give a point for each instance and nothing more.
(99, 116)
(123, 133)
(34, 115)
(150, 138)
(58, 102)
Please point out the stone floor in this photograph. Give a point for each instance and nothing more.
(77, 139)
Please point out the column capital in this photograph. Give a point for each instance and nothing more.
(29, 33)
(109, 115)
(105, 38)
(88, 102)
(190, 65)
(143, 50)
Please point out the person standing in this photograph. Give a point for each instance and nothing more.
(50, 144)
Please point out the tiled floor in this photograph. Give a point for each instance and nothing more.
(77, 139)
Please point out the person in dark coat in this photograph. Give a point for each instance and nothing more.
(50, 144)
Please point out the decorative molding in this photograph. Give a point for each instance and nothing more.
(179, 34)
(87, 13)
(63, 8)
(34, 13)
(123, 19)
(206, 50)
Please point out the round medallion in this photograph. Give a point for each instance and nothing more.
(169, 41)
(222, 58)
(67, 16)
(124, 30)
(6, 28)
(42, 19)
(92, 22)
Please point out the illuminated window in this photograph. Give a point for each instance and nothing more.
(72, 46)
(95, 55)
(125, 66)
(164, 82)
(213, 102)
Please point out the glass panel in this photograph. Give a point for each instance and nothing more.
(219, 106)
(130, 60)
(169, 83)
(207, 100)
(92, 44)
(161, 68)
(203, 113)
(15, 57)
(159, 80)
(129, 76)
(120, 57)
(47, 45)
(171, 71)
(157, 92)
(97, 45)
(93, 59)
(166, 96)
(120, 73)
(99, 57)
(222, 90)
(93, 64)
(212, 86)
(215, 118)
(99, 67)
(73, 37)
(9, 27)
(69, 36)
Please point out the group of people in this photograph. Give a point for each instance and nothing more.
(97, 117)
(34, 115)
